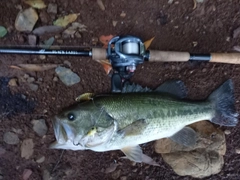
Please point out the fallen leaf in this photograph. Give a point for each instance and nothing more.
(106, 65)
(105, 39)
(101, 5)
(48, 43)
(27, 148)
(34, 67)
(26, 20)
(64, 21)
(26, 174)
(38, 4)
(47, 29)
(3, 31)
(148, 43)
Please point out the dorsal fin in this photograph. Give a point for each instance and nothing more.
(172, 87)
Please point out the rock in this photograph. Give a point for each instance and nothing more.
(101, 5)
(114, 23)
(2, 151)
(44, 17)
(40, 127)
(32, 40)
(17, 131)
(52, 8)
(26, 174)
(68, 77)
(67, 63)
(112, 168)
(55, 79)
(26, 20)
(199, 163)
(33, 87)
(123, 178)
(41, 159)
(123, 14)
(30, 79)
(13, 82)
(27, 148)
(208, 137)
(116, 174)
(227, 132)
(77, 34)
(10, 138)
(46, 175)
(238, 150)
(42, 57)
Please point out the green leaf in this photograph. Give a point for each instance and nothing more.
(3, 31)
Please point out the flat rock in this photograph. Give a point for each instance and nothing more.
(10, 138)
(40, 127)
(26, 20)
(27, 148)
(68, 77)
(208, 137)
(199, 163)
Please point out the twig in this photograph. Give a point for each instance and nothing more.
(57, 163)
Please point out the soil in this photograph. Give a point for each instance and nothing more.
(176, 27)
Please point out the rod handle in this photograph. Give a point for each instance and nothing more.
(99, 53)
(230, 58)
(168, 56)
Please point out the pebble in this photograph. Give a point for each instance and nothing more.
(27, 148)
(114, 23)
(123, 178)
(40, 127)
(78, 35)
(13, 82)
(41, 159)
(123, 14)
(67, 63)
(46, 175)
(238, 150)
(55, 79)
(66, 75)
(26, 20)
(42, 57)
(52, 8)
(10, 138)
(33, 87)
(227, 132)
(26, 174)
(32, 40)
(30, 79)
(204, 70)
(116, 174)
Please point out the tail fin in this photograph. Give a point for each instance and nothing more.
(224, 104)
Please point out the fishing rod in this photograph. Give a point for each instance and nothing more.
(125, 53)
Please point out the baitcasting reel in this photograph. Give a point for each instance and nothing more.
(124, 54)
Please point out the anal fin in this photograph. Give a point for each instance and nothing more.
(186, 137)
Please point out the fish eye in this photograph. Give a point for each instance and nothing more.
(71, 116)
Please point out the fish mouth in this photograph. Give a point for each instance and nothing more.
(59, 131)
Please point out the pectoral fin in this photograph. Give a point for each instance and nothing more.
(134, 153)
(134, 129)
(186, 137)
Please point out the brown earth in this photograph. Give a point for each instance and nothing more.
(175, 26)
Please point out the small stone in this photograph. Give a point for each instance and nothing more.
(123, 178)
(42, 57)
(170, 1)
(44, 17)
(114, 23)
(2, 151)
(41, 159)
(30, 79)
(204, 70)
(45, 111)
(26, 20)
(94, 40)
(195, 43)
(13, 82)
(10, 138)
(68, 77)
(27, 148)
(111, 168)
(227, 132)
(55, 79)
(116, 174)
(67, 63)
(32, 40)
(26, 174)
(123, 14)
(25, 76)
(78, 35)
(52, 8)
(228, 39)
(46, 175)
(238, 150)
(17, 131)
(33, 87)
(40, 127)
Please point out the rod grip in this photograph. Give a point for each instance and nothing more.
(168, 56)
(230, 58)
(99, 53)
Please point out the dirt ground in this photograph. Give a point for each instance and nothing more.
(176, 26)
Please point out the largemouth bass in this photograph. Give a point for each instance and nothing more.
(140, 115)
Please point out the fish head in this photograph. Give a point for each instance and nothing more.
(71, 125)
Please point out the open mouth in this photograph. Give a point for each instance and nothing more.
(59, 131)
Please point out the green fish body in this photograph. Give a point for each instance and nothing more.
(123, 121)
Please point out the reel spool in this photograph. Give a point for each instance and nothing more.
(125, 53)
